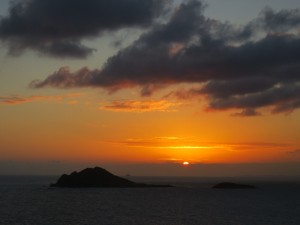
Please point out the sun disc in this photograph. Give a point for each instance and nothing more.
(185, 163)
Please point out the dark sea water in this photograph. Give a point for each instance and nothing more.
(29, 201)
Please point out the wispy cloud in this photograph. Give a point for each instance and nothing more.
(140, 106)
(18, 99)
(166, 142)
(297, 151)
(195, 143)
(247, 112)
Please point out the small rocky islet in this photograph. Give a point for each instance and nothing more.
(97, 178)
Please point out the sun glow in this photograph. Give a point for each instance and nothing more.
(185, 163)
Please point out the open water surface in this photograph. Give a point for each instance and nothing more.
(29, 201)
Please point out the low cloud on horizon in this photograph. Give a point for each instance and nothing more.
(245, 68)
(154, 169)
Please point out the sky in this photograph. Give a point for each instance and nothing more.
(139, 87)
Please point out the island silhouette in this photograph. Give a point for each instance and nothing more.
(229, 185)
(97, 177)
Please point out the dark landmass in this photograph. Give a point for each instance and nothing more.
(228, 185)
(97, 177)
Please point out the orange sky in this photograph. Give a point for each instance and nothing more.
(157, 91)
(76, 127)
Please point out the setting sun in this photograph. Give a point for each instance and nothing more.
(183, 101)
(150, 106)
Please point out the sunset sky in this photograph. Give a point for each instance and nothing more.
(141, 86)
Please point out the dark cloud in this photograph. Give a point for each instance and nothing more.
(276, 96)
(57, 27)
(183, 94)
(281, 21)
(247, 67)
(287, 106)
(227, 88)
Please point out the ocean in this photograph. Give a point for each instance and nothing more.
(27, 200)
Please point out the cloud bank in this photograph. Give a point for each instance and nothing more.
(57, 27)
(246, 68)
